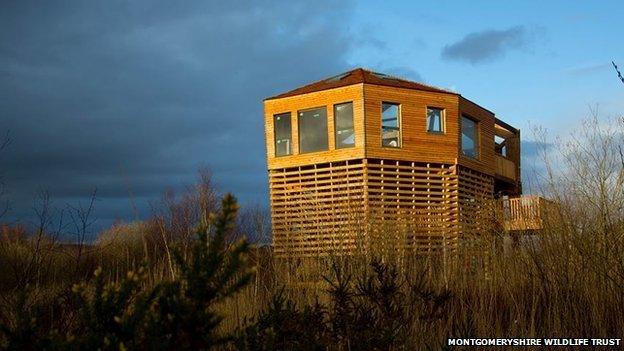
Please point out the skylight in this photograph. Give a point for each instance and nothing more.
(337, 78)
(381, 75)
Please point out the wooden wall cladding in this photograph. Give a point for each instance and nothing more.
(486, 162)
(370, 205)
(413, 205)
(476, 190)
(327, 98)
(318, 210)
(417, 144)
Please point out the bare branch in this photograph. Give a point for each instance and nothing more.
(4, 205)
(6, 141)
(618, 71)
(81, 217)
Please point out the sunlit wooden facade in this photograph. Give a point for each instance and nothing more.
(364, 158)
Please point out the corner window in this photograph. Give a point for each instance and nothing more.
(313, 130)
(435, 120)
(390, 125)
(500, 145)
(343, 124)
(283, 134)
(469, 137)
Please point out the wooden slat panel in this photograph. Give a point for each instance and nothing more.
(505, 167)
(476, 190)
(416, 202)
(364, 205)
(317, 209)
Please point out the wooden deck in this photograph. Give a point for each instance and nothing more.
(524, 213)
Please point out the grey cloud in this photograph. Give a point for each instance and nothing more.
(533, 167)
(133, 97)
(404, 73)
(487, 45)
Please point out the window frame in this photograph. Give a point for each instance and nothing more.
(299, 129)
(399, 124)
(504, 147)
(336, 129)
(442, 120)
(477, 139)
(291, 149)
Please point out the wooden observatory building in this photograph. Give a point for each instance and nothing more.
(363, 157)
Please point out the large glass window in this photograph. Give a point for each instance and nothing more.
(435, 120)
(313, 130)
(390, 128)
(343, 123)
(283, 134)
(469, 137)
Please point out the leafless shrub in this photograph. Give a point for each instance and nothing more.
(254, 222)
(4, 204)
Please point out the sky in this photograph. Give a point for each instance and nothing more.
(132, 97)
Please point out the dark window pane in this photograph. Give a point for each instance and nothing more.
(313, 130)
(469, 137)
(434, 120)
(283, 144)
(343, 123)
(390, 129)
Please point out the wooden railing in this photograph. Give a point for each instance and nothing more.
(505, 167)
(523, 213)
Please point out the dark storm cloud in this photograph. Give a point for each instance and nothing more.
(132, 97)
(487, 45)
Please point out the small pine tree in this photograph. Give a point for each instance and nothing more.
(131, 314)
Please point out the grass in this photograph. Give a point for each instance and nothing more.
(184, 279)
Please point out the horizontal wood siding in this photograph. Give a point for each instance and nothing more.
(505, 168)
(364, 206)
(327, 98)
(413, 206)
(476, 192)
(318, 210)
(417, 144)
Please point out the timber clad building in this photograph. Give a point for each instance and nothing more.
(362, 156)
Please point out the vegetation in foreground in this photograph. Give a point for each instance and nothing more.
(186, 280)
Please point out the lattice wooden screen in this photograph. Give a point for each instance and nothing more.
(318, 209)
(371, 204)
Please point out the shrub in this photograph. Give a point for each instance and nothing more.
(376, 311)
(131, 314)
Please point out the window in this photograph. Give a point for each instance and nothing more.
(283, 144)
(313, 130)
(343, 123)
(469, 137)
(390, 128)
(435, 120)
(500, 145)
